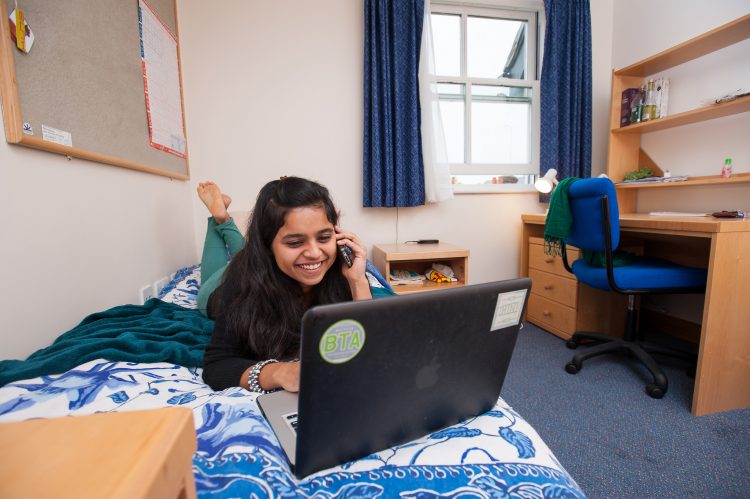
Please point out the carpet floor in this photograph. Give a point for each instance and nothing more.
(615, 440)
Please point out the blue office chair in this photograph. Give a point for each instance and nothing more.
(596, 228)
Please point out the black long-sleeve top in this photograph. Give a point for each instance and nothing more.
(226, 357)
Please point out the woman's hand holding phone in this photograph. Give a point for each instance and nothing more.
(354, 273)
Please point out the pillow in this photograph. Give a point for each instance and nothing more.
(182, 289)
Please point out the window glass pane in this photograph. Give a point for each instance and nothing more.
(446, 34)
(492, 179)
(500, 124)
(496, 47)
(452, 109)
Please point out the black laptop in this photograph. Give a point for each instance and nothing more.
(379, 373)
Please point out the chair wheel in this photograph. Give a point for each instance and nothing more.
(654, 391)
(571, 367)
(572, 344)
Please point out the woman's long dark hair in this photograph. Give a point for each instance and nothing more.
(260, 303)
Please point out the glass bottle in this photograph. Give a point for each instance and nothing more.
(649, 104)
(636, 107)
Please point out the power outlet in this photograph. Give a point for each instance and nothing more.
(159, 285)
(145, 294)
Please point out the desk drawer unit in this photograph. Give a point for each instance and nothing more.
(554, 292)
(561, 305)
(552, 316)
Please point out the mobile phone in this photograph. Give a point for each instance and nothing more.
(729, 214)
(346, 254)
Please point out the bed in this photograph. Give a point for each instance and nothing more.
(497, 454)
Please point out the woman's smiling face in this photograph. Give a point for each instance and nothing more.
(305, 246)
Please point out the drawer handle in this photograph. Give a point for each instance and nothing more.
(549, 259)
(548, 287)
(546, 313)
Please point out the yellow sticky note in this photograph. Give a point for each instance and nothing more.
(20, 30)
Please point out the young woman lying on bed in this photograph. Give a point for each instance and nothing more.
(289, 263)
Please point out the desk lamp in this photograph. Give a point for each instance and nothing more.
(546, 183)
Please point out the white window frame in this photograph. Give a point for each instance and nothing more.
(532, 12)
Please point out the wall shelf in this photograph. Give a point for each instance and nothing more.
(737, 178)
(737, 106)
(710, 41)
(625, 154)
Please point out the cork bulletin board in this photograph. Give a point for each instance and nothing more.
(84, 76)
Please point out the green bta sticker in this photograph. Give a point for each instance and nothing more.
(342, 341)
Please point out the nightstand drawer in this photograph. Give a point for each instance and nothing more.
(554, 287)
(549, 263)
(550, 313)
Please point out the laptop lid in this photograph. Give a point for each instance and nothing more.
(378, 373)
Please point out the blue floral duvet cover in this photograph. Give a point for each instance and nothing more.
(497, 454)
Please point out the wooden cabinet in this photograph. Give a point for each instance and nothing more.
(558, 303)
(135, 454)
(418, 258)
(554, 291)
(625, 154)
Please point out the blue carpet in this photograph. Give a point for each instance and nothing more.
(615, 440)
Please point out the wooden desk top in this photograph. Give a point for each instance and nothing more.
(706, 225)
(115, 455)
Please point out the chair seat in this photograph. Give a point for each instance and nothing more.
(643, 273)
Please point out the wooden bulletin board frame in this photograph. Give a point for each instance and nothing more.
(83, 75)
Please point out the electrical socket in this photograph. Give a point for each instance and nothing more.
(159, 285)
(146, 293)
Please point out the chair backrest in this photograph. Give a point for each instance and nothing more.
(587, 231)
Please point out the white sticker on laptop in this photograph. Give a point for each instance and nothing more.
(508, 309)
(342, 341)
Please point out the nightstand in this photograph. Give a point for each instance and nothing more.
(115, 455)
(418, 258)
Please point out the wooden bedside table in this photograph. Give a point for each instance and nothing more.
(418, 258)
(114, 455)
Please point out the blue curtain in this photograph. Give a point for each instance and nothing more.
(566, 89)
(393, 168)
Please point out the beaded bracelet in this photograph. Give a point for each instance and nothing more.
(253, 378)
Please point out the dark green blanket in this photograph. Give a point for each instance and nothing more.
(153, 332)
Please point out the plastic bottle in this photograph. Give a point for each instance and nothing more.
(726, 171)
(649, 104)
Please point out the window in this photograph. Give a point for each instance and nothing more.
(486, 65)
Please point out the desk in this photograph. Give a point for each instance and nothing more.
(136, 454)
(722, 380)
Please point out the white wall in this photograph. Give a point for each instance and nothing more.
(602, 12)
(283, 96)
(697, 149)
(80, 237)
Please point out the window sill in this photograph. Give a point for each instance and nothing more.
(494, 189)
